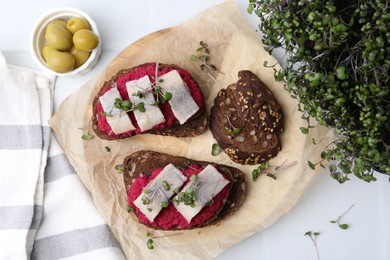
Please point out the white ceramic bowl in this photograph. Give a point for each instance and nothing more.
(38, 40)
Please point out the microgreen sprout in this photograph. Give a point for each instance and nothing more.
(313, 237)
(150, 241)
(87, 136)
(166, 185)
(270, 170)
(119, 168)
(129, 208)
(342, 225)
(160, 95)
(215, 149)
(194, 177)
(187, 165)
(187, 197)
(122, 104)
(231, 129)
(145, 200)
(203, 55)
(164, 204)
(139, 94)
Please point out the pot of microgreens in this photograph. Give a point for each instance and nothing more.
(337, 68)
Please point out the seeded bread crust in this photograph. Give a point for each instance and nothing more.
(256, 103)
(258, 139)
(196, 125)
(144, 162)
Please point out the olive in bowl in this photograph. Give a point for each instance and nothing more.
(53, 44)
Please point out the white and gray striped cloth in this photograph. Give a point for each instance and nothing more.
(45, 211)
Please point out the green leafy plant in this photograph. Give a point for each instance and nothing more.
(337, 68)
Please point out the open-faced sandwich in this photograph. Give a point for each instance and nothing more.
(150, 98)
(246, 119)
(175, 193)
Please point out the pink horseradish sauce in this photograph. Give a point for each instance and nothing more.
(169, 217)
(165, 108)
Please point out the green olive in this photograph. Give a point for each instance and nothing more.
(58, 22)
(60, 61)
(58, 37)
(45, 50)
(80, 56)
(77, 23)
(85, 40)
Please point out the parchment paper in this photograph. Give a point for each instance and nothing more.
(234, 46)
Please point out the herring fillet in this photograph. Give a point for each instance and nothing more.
(152, 115)
(118, 119)
(211, 182)
(156, 193)
(182, 104)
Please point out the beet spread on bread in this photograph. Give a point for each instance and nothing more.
(176, 193)
(246, 120)
(150, 98)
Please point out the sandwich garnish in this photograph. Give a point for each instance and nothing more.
(154, 196)
(203, 56)
(215, 149)
(269, 170)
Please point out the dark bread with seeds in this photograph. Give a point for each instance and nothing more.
(143, 162)
(196, 125)
(256, 103)
(247, 105)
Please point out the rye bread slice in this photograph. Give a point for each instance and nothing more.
(196, 125)
(256, 103)
(144, 162)
(255, 143)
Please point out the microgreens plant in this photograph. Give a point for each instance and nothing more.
(337, 68)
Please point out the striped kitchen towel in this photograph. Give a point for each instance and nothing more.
(45, 211)
(25, 108)
(71, 226)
